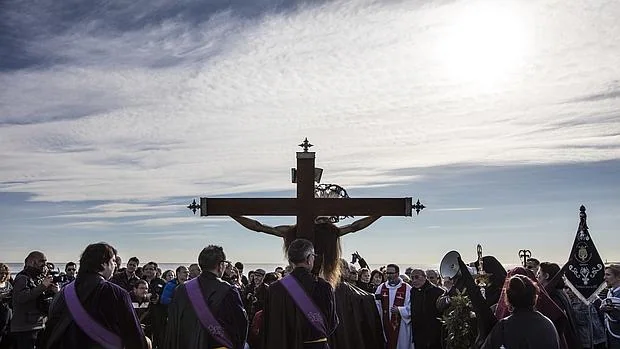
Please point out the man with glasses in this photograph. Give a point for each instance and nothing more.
(394, 305)
(300, 310)
(70, 271)
(213, 317)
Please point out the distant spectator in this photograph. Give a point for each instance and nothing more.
(533, 265)
(168, 275)
(194, 270)
(70, 271)
(6, 313)
(243, 278)
(128, 277)
(31, 292)
(169, 289)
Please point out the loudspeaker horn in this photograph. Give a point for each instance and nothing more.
(449, 266)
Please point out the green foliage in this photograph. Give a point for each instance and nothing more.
(459, 323)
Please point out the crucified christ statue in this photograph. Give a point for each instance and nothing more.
(326, 242)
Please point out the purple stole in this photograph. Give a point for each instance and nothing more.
(305, 303)
(205, 315)
(87, 324)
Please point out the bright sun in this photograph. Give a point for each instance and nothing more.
(483, 43)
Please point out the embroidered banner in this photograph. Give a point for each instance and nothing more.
(586, 270)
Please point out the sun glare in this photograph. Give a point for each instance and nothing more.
(483, 43)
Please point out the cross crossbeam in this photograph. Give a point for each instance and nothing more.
(305, 206)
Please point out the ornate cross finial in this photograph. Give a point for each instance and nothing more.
(525, 255)
(194, 206)
(306, 145)
(418, 207)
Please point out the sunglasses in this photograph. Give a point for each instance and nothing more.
(70, 269)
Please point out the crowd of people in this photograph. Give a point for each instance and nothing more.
(215, 304)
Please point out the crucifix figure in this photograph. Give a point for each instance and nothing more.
(311, 213)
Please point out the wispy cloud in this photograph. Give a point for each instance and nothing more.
(135, 106)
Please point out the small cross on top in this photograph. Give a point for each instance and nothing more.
(306, 145)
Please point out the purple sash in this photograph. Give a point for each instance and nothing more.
(205, 315)
(87, 324)
(305, 303)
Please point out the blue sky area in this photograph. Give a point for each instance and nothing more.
(501, 116)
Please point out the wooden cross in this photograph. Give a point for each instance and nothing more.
(305, 206)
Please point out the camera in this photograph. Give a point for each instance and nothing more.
(156, 293)
(58, 278)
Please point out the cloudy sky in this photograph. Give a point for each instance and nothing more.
(501, 116)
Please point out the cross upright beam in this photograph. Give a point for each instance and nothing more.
(306, 207)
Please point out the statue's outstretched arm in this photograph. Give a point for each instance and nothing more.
(358, 225)
(260, 227)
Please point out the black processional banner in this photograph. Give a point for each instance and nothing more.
(586, 271)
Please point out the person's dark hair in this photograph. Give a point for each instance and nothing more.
(534, 260)
(552, 269)
(134, 259)
(375, 272)
(70, 264)
(179, 268)
(94, 256)
(299, 250)
(521, 292)
(271, 278)
(155, 266)
(395, 267)
(210, 257)
(140, 282)
(239, 265)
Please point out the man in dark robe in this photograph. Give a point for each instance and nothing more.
(425, 317)
(184, 329)
(286, 326)
(360, 324)
(107, 304)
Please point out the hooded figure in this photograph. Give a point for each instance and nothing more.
(497, 276)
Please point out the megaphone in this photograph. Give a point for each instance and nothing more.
(449, 266)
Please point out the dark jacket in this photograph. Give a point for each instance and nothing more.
(124, 281)
(184, 329)
(360, 324)
(523, 329)
(108, 304)
(27, 293)
(425, 316)
(570, 331)
(286, 327)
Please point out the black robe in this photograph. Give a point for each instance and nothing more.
(184, 330)
(360, 323)
(425, 317)
(108, 304)
(285, 326)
